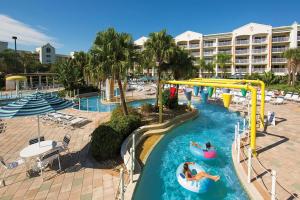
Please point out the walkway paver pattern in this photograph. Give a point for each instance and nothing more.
(81, 177)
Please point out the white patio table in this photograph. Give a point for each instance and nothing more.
(37, 149)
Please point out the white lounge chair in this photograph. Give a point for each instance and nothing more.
(295, 97)
(268, 98)
(288, 96)
(77, 121)
(278, 101)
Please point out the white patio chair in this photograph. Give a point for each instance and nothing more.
(295, 97)
(63, 146)
(288, 96)
(46, 160)
(268, 98)
(278, 101)
(9, 166)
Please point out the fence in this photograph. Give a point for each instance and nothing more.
(244, 152)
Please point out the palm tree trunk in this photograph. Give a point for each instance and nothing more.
(123, 103)
(157, 86)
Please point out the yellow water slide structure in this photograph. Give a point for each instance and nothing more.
(225, 83)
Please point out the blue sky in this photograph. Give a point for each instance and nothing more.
(72, 25)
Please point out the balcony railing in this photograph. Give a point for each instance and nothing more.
(225, 52)
(259, 50)
(208, 53)
(224, 43)
(279, 70)
(257, 41)
(244, 51)
(261, 61)
(279, 49)
(195, 54)
(209, 44)
(280, 39)
(242, 42)
(183, 46)
(258, 70)
(241, 70)
(278, 60)
(208, 61)
(242, 60)
(194, 45)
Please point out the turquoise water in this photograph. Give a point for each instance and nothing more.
(158, 180)
(94, 104)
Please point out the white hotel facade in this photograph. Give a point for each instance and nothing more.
(255, 48)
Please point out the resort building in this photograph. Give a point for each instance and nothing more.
(255, 48)
(3, 46)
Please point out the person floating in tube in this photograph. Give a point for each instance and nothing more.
(208, 145)
(196, 177)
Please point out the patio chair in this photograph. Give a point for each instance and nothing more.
(295, 97)
(64, 145)
(9, 166)
(36, 140)
(46, 160)
(278, 101)
(288, 96)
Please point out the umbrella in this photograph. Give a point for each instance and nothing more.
(17, 79)
(35, 104)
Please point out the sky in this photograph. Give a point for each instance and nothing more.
(72, 25)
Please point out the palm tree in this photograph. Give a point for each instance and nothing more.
(202, 65)
(82, 60)
(159, 47)
(222, 59)
(115, 52)
(293, 61)
(146, 61)
(28, 60)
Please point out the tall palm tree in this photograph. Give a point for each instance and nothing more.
(222, 59)
(82, 60)
(293, 61)
(28, 60)
(159, 46)
(115, 52)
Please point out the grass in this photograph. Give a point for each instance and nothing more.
(284, 87)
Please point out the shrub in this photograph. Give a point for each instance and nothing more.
(62, 93)
(118, 111)
(147, 108)
(105, 143)
(170, 103)
(125, 125)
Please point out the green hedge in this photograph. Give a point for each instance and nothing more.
(105, 143)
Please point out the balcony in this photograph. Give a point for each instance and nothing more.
(298, 37)
(259, 41)
(241, 42)
(278, 60)
(195, 54)
(259, 50)
(208, 61)
(258, 70)
(225, 43)
(184, 46)
(241, 61)
(279, 70)
(279, 49)
(209, 44)
(280, 39)
(242, 51)
(259, 61)
(225, 52)
(208, 53)
(194, 46)
(241, 70)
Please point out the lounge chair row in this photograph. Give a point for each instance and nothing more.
(66, 120)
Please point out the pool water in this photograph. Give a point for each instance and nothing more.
(215, 124)
(94, 104)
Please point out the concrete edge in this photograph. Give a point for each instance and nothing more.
(251, 190)
(141, 132)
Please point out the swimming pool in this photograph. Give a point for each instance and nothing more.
(215, 124)
(94, 104)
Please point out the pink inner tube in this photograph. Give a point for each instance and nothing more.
(210, 154)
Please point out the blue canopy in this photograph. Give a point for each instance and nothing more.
(35, 104)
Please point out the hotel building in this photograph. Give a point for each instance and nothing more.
(254, 48)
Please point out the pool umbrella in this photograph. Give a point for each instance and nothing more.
(35, 104)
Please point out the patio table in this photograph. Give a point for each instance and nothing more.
(37, 149)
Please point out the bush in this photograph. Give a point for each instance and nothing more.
(118, 111)
(147, 108)
(168, 102)
(105, 143)
(62, 93)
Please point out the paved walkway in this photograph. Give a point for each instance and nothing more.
(81, 178)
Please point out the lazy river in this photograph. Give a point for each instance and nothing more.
(215, 124)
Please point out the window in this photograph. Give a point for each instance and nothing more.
(48, 56)
(48, 50)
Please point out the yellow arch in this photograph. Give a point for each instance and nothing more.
(222, 85)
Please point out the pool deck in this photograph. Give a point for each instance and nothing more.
(81, 176)
(278, 148)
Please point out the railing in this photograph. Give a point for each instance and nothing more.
(259, 61)
(225, 52)
(241, 70)
(183, 46)
(195, 54)
(244, 51)
(258, 70)
(242, 60)
(279, 50)
(278, 60)
(224, 43)
(280, 39)
(242, 42)
(208, 61)
(259, 50)
(209, 44)
(194, 45)
(259, 40)
(279, 70)
(208, 53)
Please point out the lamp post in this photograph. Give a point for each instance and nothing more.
(15, 38)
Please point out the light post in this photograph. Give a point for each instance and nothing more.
(15, 38)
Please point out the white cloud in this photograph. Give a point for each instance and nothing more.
(26, 34)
